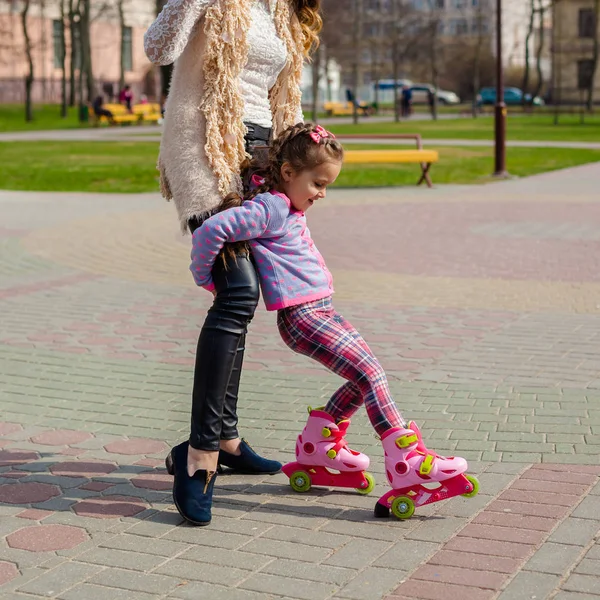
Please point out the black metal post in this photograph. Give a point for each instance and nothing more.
(500, 108)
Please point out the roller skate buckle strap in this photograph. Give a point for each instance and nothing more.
(427, 464)
(406, 440)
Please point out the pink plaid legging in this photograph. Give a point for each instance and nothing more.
(318, 331)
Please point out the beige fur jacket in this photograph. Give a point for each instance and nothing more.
(203, 133)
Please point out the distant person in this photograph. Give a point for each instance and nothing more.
(406, 101)
(109, 91)
(100, 111)
(431, 101)
(126, 97)
(143, 99)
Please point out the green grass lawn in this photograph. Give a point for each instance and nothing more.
(130, 166)
(523, 127)
(12, 118)
(520, 127)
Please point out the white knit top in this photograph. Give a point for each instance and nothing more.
(177, 24)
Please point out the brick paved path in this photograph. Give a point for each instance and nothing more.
(482, 303)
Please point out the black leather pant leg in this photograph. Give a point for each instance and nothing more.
(230, 419)
(218, 357)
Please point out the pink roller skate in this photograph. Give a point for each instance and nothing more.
(323, 457)
(419, 476)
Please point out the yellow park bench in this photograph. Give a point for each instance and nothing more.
(120, 114)
(345, 109)
(149, 113)
(338, 109)
(424, 158)
(141, 113)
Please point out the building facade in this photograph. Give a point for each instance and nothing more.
(577, 25)
(44, 24)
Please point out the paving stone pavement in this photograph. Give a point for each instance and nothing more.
(483, 305)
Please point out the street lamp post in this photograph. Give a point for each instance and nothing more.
(500, 108)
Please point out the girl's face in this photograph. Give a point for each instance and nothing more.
(304, 188)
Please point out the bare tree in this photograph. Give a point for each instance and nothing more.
(530, 26)
(63, 56)
(481, 28)
(357, 13)
(316, 76)
(540, 49)
(121, 11)
(75, 45)
(86, 49)
(432, 26)
(595, 52)
(29, 77)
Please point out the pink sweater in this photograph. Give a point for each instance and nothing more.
(290, 268)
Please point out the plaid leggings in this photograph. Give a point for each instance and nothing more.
(318, 331)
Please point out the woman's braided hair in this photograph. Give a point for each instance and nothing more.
(294, 146)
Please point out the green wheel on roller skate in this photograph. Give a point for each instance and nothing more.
(300, 481)
(473, 481)
(370, 486)
(403, 507)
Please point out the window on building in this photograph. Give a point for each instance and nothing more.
(371, 29)
(587, 23)
(59, 47)
(459, 3)
(440, 3)
(584, 73)
(480, 25)
(127, 49)
(462, 26)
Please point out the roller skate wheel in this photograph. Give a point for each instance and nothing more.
(369, 487)
(403, 507)
(474, 484)
(300, 481)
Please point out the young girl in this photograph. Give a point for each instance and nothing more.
(294, 280)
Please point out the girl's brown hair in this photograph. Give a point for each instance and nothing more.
(311, 22)
(294, 146)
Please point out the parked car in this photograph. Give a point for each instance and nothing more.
(421, 95)
(512, 97)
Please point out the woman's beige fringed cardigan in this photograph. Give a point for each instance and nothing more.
(202, 144)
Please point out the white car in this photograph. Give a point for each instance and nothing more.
(421, 91)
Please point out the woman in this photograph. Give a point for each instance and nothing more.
(235, 85)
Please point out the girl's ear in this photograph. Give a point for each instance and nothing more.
(287, 172)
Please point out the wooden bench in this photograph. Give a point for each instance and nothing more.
(425, 158)
(345, 109)
(149, 113)
(120, 114)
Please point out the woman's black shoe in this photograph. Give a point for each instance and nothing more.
(248, 461)
(192, 495)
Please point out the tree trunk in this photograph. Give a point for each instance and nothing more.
(28, 54)
(63, 68)
(538, 55)
(434, 69)
(525, 84)
(395, 70)
(86, 58)
(375, 74)
(43, 49)
(122, 52)
(356, 43)
(475, 81)
(595, 51)
(74, 50)
(316, 77)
